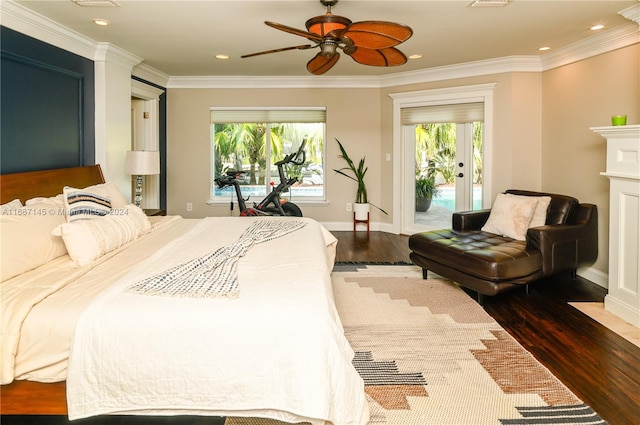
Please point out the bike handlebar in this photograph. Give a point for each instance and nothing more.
(297, 158)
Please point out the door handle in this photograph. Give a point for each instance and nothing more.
(460, 175)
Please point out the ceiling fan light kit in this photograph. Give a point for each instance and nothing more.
(326, 24)
(367, 42)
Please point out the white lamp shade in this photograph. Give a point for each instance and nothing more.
(142, 163)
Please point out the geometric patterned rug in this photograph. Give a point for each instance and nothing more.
(429, 354)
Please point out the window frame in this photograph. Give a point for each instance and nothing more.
(268, 116)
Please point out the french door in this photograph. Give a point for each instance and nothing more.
(450, 154)
(463, 176)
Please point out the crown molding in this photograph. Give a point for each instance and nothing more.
(470, 69)
(604, 42)
(151, 74)
(21, 19)
(25, 21)
(464, 70)
(632, 13)
(112, 54)
(252, 81)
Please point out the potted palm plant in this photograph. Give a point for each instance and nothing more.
(361, 206)
(426, 188)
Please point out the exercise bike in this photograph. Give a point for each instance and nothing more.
(272, 204)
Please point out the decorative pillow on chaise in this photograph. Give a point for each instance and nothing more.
(540, 213)
(510, 216)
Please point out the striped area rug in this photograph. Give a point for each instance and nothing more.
(429, 354)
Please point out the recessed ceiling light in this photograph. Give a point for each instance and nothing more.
(101, 22)
(222, 57)
(542, 49)
(597, 27)
(416, 56)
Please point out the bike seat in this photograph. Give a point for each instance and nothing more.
(233, 173)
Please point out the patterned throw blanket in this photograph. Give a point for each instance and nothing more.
(216, 274)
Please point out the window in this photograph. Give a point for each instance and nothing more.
(252, 140)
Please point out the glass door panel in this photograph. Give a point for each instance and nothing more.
(447, 158)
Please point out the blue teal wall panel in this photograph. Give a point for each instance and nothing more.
(47, 110)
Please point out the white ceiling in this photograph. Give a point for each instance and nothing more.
(181, 38)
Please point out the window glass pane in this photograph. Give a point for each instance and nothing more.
(240, 147)
(255, 148)
(478, 145)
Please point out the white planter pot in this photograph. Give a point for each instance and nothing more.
(361, 211)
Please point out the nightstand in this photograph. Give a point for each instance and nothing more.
(152, 212)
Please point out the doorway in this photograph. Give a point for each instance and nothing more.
(145, 134)
(441, 135)
(448, 164)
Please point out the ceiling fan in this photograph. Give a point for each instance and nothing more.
(367, 42)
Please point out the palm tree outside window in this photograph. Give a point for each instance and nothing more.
(251, 141)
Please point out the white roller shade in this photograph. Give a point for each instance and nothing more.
(293, 115)
(458, 113)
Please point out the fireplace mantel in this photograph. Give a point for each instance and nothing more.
(623, 171)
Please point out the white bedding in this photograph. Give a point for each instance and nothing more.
(277, 351)
(39, 347)
(25, 352)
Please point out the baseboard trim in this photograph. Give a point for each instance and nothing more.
(595, 276)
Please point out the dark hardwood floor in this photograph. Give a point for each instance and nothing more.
(599, 366)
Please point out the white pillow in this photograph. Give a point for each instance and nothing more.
(26, 238)
(57, 199)
(87, 240)
(85, 205)
(540, 213)
(12, 205)
(510, 216)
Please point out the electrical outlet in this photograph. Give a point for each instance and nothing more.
(349, 207)
(189, 206)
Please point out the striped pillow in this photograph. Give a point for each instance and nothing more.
(84, 205)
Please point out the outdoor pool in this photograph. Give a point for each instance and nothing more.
(446, 198)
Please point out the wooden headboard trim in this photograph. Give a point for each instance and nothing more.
(47, 183)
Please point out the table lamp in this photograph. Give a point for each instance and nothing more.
(141, 163)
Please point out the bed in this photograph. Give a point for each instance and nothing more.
(218, 316)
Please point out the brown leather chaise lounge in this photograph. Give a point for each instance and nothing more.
(490, 263)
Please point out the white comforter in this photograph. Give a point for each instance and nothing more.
(277, 350)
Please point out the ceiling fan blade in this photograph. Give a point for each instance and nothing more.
(379, 57)
(377, 34)
(321, 64)
(284, 49)
(291, 30)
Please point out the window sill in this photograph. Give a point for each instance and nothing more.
(309, 203)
